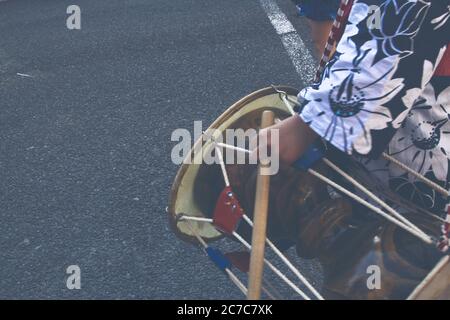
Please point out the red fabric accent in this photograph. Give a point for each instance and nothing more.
(443, 68)
(346, 9)
(228, 211)
(239, 260)
(335, 35)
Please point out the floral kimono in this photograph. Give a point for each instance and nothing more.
(387, 89)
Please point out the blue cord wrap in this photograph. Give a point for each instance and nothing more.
(218, 258)
(314, 153)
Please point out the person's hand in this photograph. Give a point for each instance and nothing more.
(294, 138)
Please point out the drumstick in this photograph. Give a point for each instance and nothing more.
(260, 223)
(231, 147)
(222, 165)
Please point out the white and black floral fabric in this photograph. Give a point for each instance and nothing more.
(381, 93)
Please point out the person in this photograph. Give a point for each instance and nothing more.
(320, 15)
(385, 89)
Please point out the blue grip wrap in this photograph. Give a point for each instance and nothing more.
(314, 153)
(218, 258)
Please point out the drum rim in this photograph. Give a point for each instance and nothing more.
(183, 168)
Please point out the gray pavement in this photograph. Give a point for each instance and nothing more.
(85, 166)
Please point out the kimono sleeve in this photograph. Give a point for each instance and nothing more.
(381, 65)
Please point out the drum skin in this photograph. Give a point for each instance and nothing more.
(347, 239)
(181, 201)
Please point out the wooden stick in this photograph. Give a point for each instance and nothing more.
(259, 224)
(435, 284)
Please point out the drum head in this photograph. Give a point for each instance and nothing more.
(184, 200)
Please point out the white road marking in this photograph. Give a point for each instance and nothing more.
(301, 57)
(23, 74)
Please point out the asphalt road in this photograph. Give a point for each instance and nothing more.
(85, 166)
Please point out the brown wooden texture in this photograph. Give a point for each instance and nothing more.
(259, 223)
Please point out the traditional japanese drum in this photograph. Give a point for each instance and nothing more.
(347, 238)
